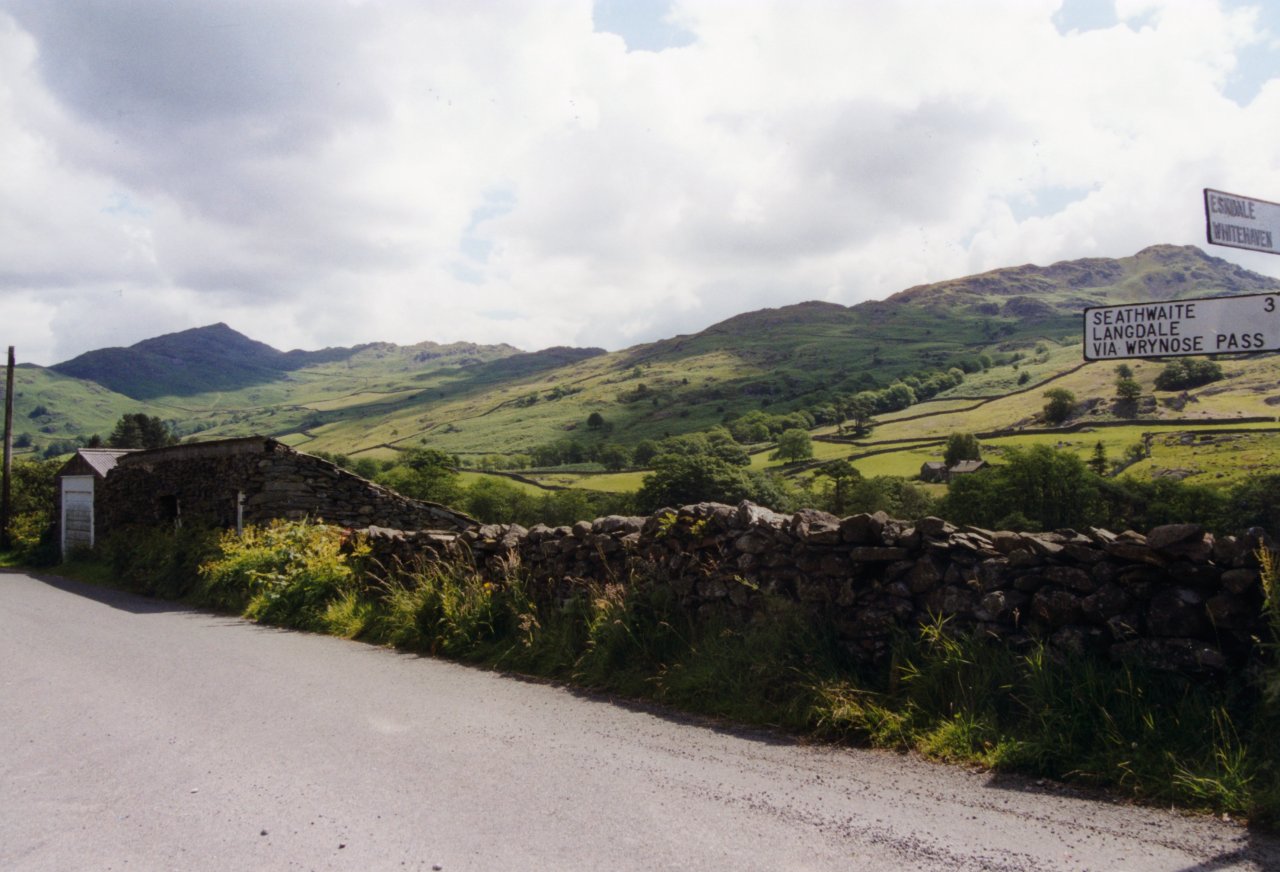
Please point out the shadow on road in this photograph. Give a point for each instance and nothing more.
(1254, 848)
(1266, 859)
(763, 735)
(117, 599)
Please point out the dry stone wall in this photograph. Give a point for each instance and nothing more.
(1175, 597)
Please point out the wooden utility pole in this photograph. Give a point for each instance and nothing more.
(8, 452)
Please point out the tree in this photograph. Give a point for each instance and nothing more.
(842, 474)
(794, 444)
(860, 408)
(595, 420)
(892, 495)
(898, 396)
(1138, 504)
(1124, 371)
(138, 430)
(1060, 406)
(1253, 503)
(614, 456)
(645, 450)
(961, 446)
(496, 501)
(1098, 463)
(1128, 390)
(424, 474)
(682, 479)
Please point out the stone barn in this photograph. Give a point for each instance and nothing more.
(253, 480)
(933, 471)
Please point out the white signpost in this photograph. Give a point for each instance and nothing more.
(1214, 325)
(1242, 222)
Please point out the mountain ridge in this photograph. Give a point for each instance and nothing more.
(466, 397)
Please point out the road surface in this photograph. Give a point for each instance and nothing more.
(141, 735)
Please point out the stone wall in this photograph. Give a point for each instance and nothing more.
(1175, 597)
(202, 483)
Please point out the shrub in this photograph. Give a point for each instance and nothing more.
(159, 561)
(32, 492)
(287, 573)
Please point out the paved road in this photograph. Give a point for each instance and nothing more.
(138, 735)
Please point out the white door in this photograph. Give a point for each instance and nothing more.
(77, 512)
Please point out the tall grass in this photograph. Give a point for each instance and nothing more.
(964, 697)
(1267, 721)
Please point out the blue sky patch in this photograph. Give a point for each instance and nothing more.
(642, 24)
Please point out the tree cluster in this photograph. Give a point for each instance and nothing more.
(760, 426)
(138, 430)
(1041, 488)
(1185, 373)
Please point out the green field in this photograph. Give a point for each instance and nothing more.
(468, 478)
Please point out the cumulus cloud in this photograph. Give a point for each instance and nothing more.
(341, 171)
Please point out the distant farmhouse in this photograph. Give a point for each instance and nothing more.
(938, 471)
(227, 483)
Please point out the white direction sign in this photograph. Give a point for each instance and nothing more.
(1215, 325)
(1242, 222)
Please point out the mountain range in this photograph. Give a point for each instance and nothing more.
(471, 398)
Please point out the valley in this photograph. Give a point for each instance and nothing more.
(1013, 333)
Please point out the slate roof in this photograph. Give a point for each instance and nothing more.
(95, 461)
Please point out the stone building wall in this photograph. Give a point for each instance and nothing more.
(203, 483)
(1175, 597)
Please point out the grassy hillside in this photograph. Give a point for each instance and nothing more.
(53, 408)
(469, 399)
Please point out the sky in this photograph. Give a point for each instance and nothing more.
(562, 172)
